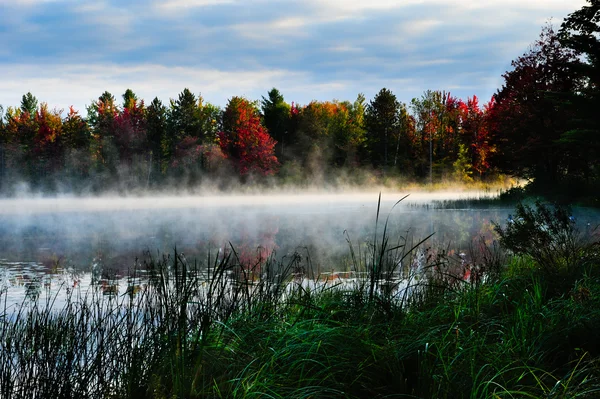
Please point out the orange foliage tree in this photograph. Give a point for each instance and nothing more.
(48, 143)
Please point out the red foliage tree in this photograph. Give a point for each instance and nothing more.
(526, 120)
(130, 130)
(475, 133)
(245, 141)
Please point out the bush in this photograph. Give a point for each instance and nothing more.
(548, 235)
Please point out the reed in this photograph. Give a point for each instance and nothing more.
(399, 324)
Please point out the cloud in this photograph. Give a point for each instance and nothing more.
(178, 5)
(336, 9)
(81, 84)
(68, 52)
(420, 26)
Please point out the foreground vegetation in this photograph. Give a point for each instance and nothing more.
(516, 320)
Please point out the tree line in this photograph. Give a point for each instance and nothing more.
(540, 125)
(145, 145)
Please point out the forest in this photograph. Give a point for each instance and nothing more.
(540, 126)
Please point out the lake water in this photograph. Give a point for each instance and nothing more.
(63, 240)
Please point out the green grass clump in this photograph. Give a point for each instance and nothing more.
(226, 329)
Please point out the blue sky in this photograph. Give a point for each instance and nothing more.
(67, 52)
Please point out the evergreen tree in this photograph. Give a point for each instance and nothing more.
(29, 104)
(183, 116)
(101, 119)
(276, 118)
(183, 121)
(382, 119)
(77, 139)
(156, 126)
(101, 114)
(129, 98)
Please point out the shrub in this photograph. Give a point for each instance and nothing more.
(548, 235)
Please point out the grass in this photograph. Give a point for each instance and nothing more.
(226, 329)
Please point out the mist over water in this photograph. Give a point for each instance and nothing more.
(39, 235)
(22, 206)
(74, 232)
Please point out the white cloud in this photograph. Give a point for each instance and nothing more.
(65, 85)
(419, 27)
(548, 5)
(290, 23)
(358, 6)
(346, 48)
(30, 2)
(176, 6)
(277, 31)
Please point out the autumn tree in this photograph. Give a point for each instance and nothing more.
(404, 148)
(437, 118)
(245, 141)
(526, 121)
(349, 132)
(463, 168)
(76, 133)
(12, 153)
(129, 98)
(48, 144)
(32, 142)
(130, 129)
(474, 135)
(209, 116)
(101, 114)
(312, 138)
(19, 138)
(18, 128)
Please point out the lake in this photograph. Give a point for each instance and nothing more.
(68, 240)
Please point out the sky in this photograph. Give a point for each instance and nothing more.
(68, 52)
